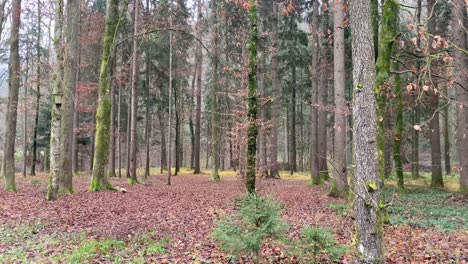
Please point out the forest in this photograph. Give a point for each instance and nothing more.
(234, 131)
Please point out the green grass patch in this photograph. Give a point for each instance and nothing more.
(339, 208)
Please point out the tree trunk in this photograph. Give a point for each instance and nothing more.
(8, 162)
(199, 63)
(163, 140)
(57, 90)
(322, 114)
(415, 116)
(134, 111)
(148, 120)
(276, 94)
(436, 157)
(340, 181)
(38, 89)
(119, 134)
(25, 95)
(293, 151)
(398, 131)
(446, 132)
(369, 239)
(113, 134)
(68, 105)
(214, 97)
(459, 25)
(99, 181)
(314, 94)
(252, 129)
(169, 154)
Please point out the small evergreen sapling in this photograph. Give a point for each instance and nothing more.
(255, 219)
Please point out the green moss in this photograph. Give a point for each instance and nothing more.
(215, 175)
(133, 181)
(334, 191)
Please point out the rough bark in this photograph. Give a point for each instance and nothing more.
(38, 90)
(315, 178)
(169, 128)
(436, 157)
(460, 25)
(292, 149)
(57, 91)
(340, 181)
(367, 188)
(446, 132)
(134, 109)
(99, 180)
(322, 114)
(276, 94)
(199, 62)
(214, 96)
(252, 129)
(68, 97)
(398, 131)
(8, 162)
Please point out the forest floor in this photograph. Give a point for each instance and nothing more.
(156, 223)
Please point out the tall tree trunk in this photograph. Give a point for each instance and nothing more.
(398, 131)
(119, 134)
(340, 181)
(252, 129)
(446, 132)
(113, 134)
(68, 97)
(214, 96)
(459, 25)
(57, 90)
(177, 130)
(415, 114)
(129, 126)
(148, 119)
(276, 94)
(322, 115)
(38, 89)
(169, 128)
(436, 158)
(8, 162)
(199, 63)
(191, 113)
(99, 181)
(163, 141)
(368, 223)
(76, 124)
(314, 94)
(293, 150)
(25, 107)
(135, 72)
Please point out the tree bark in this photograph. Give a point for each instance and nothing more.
(459, 25)
(315, 178)
(367, 188)
(436, 157)
(199, 62)
(8, 162)
(99, 181)
(38, 90)
(134, 109)
(292, 149)
(322, 115)
(252, 129)
(57, 88)
(214, 96)
(340, 181)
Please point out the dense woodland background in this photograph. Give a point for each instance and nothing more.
(352, 99)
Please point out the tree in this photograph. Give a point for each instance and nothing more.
(252, 129)
(367, 187)
(436, 158)
(99, 181)
(134, 108)
(340, 181)
(199, 63)
(314, 96)
(213, 95)
(57, 91)
(460, 26)
(38, 89)
(276, 94)
(8, 162)
(68, 105)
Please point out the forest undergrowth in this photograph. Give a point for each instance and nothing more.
(156, 223)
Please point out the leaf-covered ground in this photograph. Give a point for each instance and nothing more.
(156, 223)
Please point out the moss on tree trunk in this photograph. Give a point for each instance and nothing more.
(99, 180)
(252, 129)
